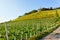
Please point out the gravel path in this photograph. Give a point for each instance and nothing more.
(55, 35)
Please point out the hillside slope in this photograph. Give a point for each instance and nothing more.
(40, 21)
(41, 14)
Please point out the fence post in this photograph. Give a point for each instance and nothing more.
(30, 34)
(33, 29)
(37, 26)
(6, 30)
(21, 36)
(14, 38)
(34, 33)
(47, 27)
(26, 36)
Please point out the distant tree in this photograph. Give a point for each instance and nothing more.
(19, 16)
(33, 11)
(26, 13)
(58, 8)
(43, 9)
(51, 8)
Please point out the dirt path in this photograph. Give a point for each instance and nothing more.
(55, 35)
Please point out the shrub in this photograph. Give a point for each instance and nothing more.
(33, 11)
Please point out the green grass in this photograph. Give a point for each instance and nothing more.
(41, 14)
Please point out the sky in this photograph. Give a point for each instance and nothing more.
(11, 9)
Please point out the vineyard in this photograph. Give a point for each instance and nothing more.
(25, 29)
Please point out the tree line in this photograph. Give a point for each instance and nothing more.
(41, 9)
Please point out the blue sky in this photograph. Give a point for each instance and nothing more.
(10, 9)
